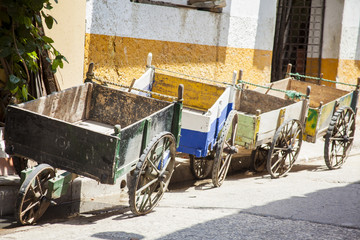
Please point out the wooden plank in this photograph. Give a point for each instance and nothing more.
(111, 106)
(197, 95)
(245, 132)
(68, 105)
(281, 84)
(249, 101)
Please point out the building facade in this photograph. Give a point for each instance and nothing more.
(258, 36)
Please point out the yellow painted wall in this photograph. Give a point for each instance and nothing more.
(69, 37)
(120, 59)
(347, 71)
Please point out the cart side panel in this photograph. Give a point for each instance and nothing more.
(327, 112)
(281, 84)
(113, 106)
(246, 130)
(197, 95)
(69, 105)
(144, 83)
(319, 93)
(250, 101)
(271, 121)
(311, 125)
(197, 132)
(60, 144)
(132, 137)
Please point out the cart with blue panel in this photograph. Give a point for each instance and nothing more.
(207, 104)
(98, 132)
(331, 114)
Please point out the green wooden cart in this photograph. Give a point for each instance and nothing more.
(98, 132)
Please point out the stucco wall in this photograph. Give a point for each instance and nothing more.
(341, 43)
(349, 61)
(120, 34)
(69, 38)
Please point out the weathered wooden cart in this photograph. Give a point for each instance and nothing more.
(206, 106)
(212, 130)
(98, 132)
(259, 119)
(331, 114)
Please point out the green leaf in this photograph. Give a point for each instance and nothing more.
(38, 18)
(33, 55)
(48, 6)
(47, 46)
(24, 92)
(49, 20)
(47, 39)
(27, 22)
(14, 91)
(14, 79)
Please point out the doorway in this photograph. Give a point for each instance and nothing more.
(298, 38)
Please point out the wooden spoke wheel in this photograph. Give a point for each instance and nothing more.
(152, 174)
(339, 137)
(285, 148)
(32, 200)
(224, 150)
(200, 167)
(259, 157)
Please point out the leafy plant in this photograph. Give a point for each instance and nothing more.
(23, 42)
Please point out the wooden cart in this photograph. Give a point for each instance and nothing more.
(97, 132)
(206, 120)
(259, 119)
(332, 114)
(206, 106)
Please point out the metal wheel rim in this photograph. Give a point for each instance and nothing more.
(285, 148)
(341, 139)
(154, 175)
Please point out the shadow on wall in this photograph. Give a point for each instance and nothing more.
(335, 210)
(127, 52)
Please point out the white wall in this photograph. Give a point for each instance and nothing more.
(242, 24)
(350, 36)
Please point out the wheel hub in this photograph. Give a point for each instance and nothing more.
(230, 150)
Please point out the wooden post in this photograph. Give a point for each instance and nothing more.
(288, 70)
(321, 77)
(240, 76)
(180, 93)
(132, 84)
(148, 61)
(90, 73)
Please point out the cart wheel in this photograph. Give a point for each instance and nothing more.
(285, 148)
(152, 174)
(200, 167)
(224, 150)
(259, 157)
(32, 199)
(339, 137)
